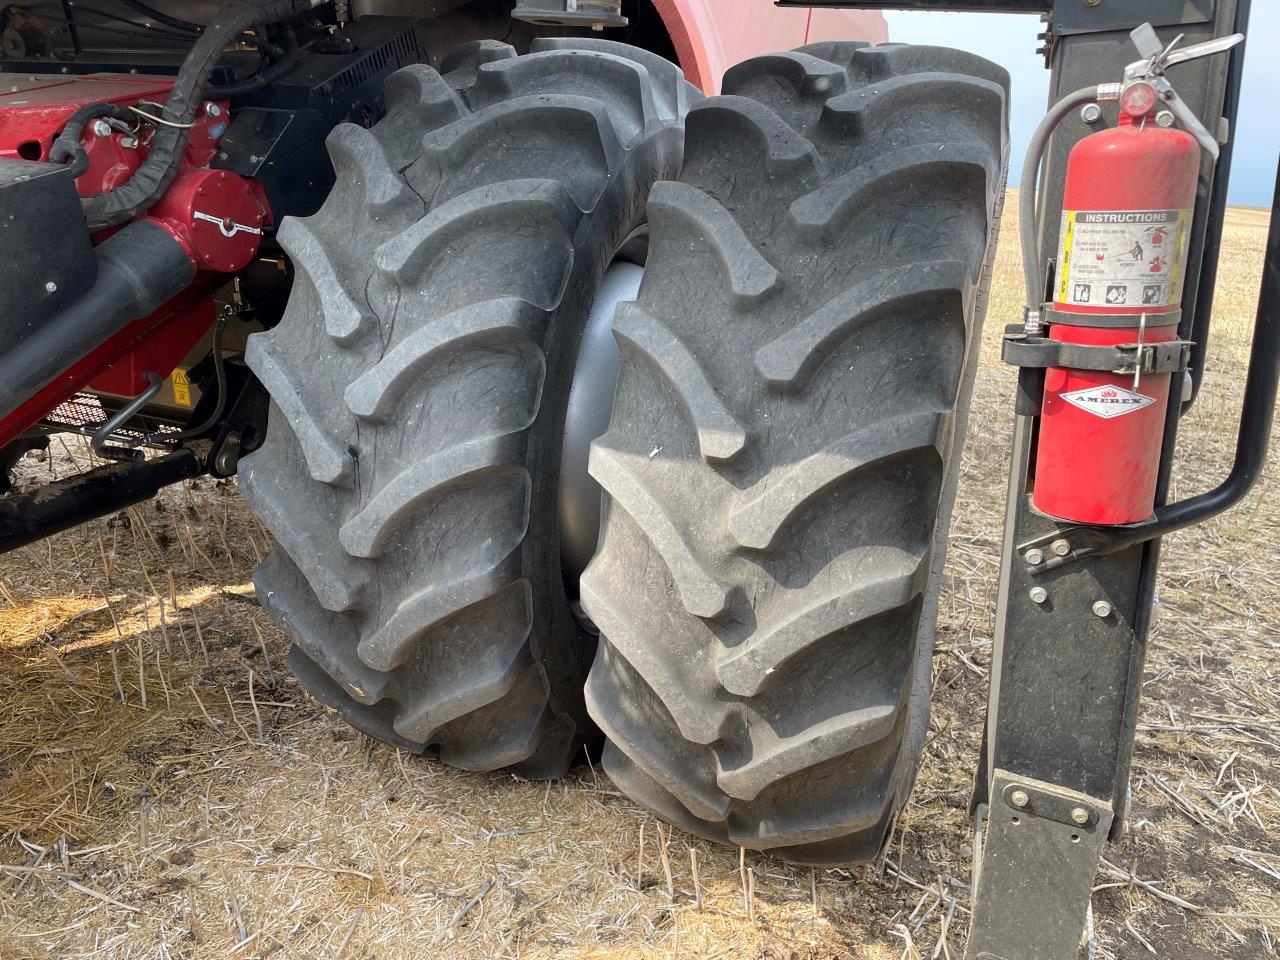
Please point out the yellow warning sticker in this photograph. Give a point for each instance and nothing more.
(1122, 258)
(181, 387)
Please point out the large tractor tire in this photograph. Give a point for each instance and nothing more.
(781, 464)
(420, 378)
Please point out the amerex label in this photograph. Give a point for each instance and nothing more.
(1122, 258)
(1108, 402)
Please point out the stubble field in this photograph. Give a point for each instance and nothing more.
(167, 791)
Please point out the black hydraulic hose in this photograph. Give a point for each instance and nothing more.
(140, 31)
(185, 34)
(176, 23)
(152, 178)
(67, 145)
(271, 51)
(1028, 227)
(270, 74)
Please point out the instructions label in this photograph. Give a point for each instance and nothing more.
(1122, 258)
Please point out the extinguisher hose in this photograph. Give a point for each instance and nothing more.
(1028, 209)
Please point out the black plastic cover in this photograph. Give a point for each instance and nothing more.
(47, 261)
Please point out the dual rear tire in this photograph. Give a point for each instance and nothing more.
(779, 469)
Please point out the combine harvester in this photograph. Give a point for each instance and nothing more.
(587, 409)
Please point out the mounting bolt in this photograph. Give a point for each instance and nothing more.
(101, 128)
(1019, 798)
(1102, 609)
(1035, 557)
(1039, 594)
(50, 287)
(1164, 119)
(212, 110)
(1060, 548)
(1091, 113)
(1080, 815)
(129, 143)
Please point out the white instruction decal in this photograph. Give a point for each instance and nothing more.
(1122, 258)
(1108, 402)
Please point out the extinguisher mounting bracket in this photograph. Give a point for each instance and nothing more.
(1023, 350)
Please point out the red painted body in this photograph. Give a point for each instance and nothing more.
(215, 215)
(710, 36)
(1093, 466)
(34, 109)
(175, 321)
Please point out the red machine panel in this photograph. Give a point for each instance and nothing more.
(217, 216)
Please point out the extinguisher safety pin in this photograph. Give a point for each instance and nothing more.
(1142, 342)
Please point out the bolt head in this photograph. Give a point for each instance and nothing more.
(1060, 548)
(101, 128)
(1091, 113)
(1039, 594)
(213, 110)
(1080, 815)
(1102, 609)
(129, 143)
(1164, 119)
(1035, 557)
(1019, 798)
(50, 287)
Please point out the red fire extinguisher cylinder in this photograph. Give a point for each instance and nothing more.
(1127, 208)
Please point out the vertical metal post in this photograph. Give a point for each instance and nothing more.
(1071, 639)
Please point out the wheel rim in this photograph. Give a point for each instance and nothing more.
(595, 376)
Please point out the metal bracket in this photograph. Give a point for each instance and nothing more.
(596, 14)
(100, 442)
(1021, 909)
(243, 426)
(1020, 349)
(1073, 16)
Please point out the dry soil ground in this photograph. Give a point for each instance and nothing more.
(166, 790)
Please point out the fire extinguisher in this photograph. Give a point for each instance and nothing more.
(1112, 349)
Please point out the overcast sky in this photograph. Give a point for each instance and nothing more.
(1010, 40)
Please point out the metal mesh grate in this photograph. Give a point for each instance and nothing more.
(84, 413)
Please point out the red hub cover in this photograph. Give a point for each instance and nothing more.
(216, 215)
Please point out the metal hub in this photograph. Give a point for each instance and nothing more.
(595, 376)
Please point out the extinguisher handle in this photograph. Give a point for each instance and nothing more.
(1252, 442)
(1158, 58)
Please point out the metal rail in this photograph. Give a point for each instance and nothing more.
(28, 517)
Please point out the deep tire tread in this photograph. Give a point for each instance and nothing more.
(765, 618)
(409, 378)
